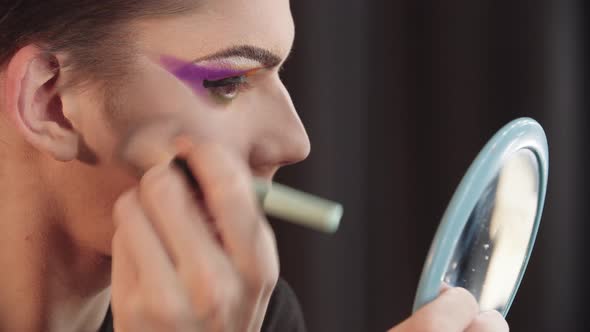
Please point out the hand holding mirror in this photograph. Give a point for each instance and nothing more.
(487, 233)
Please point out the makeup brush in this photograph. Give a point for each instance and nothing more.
(286, 203)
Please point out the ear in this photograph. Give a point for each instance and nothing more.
(35, 105)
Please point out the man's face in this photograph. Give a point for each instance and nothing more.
(175, 88)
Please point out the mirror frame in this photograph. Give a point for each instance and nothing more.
(523, 133)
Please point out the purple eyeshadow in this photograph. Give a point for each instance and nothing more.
(195, 74)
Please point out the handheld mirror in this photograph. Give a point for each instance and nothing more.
(487, 233)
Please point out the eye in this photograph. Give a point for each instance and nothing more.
(226, 89)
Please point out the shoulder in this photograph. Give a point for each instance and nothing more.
(284, 312)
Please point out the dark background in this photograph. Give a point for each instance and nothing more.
(398, 97)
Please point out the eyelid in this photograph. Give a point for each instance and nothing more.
(236, 65)
(241, 76)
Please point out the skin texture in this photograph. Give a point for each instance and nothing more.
(90, 207)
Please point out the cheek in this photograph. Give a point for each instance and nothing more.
(96, 136)
(137, 128)
(108, 177)
(144, 117)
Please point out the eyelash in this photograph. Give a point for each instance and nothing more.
(227, 89)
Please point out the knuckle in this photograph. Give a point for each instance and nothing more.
(254, 282)
(166, 310)
(214, 296)
(208, 302)
(214, 304)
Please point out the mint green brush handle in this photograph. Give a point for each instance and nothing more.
(301, 208)
(287, 204)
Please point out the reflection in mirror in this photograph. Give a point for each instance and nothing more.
(491, 252)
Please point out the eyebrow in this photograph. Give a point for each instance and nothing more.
(261, 55)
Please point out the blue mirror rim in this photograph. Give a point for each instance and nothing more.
(523, 133)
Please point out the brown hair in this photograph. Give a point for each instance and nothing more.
(91, 32)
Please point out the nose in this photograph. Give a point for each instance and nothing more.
(282, 139)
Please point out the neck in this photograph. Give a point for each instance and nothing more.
(49, 282)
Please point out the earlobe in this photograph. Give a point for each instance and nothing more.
(35, 105)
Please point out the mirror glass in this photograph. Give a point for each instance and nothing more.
(492, 250)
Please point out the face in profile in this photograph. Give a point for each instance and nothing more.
(211, 74)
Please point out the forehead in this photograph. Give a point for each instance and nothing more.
(219, 24)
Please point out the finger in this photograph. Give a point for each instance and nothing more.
(203, 268)
(453, 311)
(261, 305)
(124, 269)
(124, 288)
(179, 219)
(229, 195)
(489, 321)
(138, 240)
(444, 287)
(158, 293)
